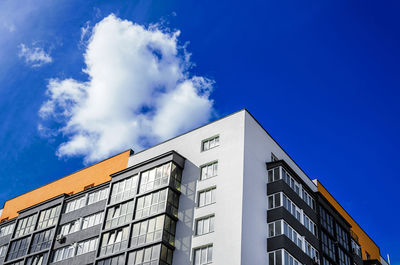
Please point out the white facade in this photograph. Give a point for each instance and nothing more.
(240, 233)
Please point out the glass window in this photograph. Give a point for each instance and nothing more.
(325, 261)
(145, 256)
(124, 189)
(49, 217)
(310, 225)
(326, 220)
(209, 171)
(203, 255)
(25, 225)
(344, 259)
(311, 251)
(70, 227)
(342, 237)
(86, 246)
(155, 178)
(116, 260)
(356, 248)
(207, 197)
(3, 250)
(41, 240)
(75, 204)
(151, 204)
(40, 259)
(275, 257)
(147, 231)
(92, 220)
(119, 214)
(6, 230)
(210, 143)
(114, 241)
(18, 248)
(205, 225)
(97, 196)
(327, 245)
(20, 262)
(63, 253)
(274, 201)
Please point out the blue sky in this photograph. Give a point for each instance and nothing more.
(321, 76)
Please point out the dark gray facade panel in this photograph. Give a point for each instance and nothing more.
(282, 241)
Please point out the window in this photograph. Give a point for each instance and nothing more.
(342, 237)
(119, 214)
(344, 259)
(275, 257)
(63, 253)
(117, 260)
(210, 143)
(274, 201)
(97, 196)
(86, 246)
(325, 261)
(151, 204)
(155, 178)
(328, 246)
(114, 241)
(311, 251)
(48, 217)
(92, 220)
(274, 174)
(39, 259)
(70, 228)
(75, 204)
(291, 207)
(278, 173)
(205, 225)
(209, 171)
(356, 248)
(124, 189)
(147, 231)
(3, 250)
(6, 230)
(289, 259)
(308, 199)
(18, 248)
(146, 256)
(293, 235)
(203, 255)
(41, 240)
(275, 229)
(207, 197)
(310, 225)
(326, 220)
(25, 225)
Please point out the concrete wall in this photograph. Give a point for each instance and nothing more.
(226, 239)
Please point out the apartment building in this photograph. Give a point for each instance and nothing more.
(224, 193)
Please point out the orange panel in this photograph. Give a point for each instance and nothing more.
(364, 240)
(96, 174)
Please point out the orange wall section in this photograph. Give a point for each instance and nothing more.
(367, 244)
(95, 174)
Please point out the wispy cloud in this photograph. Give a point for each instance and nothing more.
(9, 26)
(34, 56)
(139, 92)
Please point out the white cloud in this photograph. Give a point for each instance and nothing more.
(139, 92)
(34, 56)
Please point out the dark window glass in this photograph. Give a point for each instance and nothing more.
(41, 240)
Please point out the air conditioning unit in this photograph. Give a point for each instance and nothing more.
(60, 238)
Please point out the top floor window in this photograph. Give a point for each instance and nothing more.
(155, 178)
(25, 225)
(210, 143)
(124, 189)
(356, 248)
(86, 199)
(326, 220)
(49, 217)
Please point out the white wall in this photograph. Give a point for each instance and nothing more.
(228, 207)
(257, 152)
